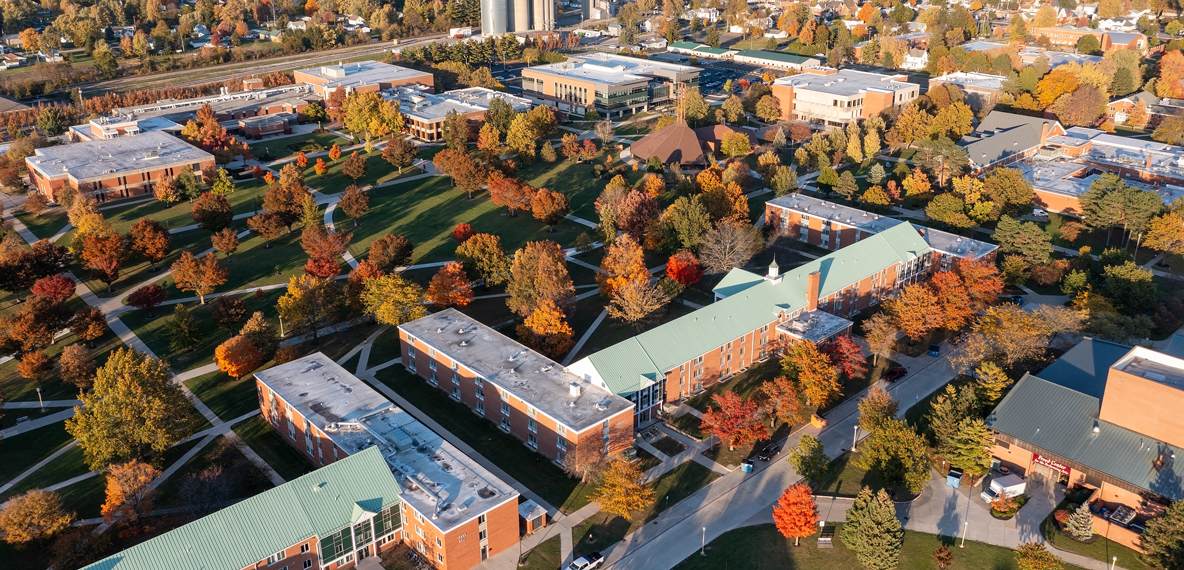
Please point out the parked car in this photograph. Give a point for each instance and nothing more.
(1038, 213)
(770, 451)
(1012, 485)
(894, 374)
(588, 562)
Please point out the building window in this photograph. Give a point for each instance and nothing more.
(304, 548)
(506, 424)
(439, 558)
(432, 364)
(419, 531)
(531, 412)
(481, 520)
(418, 516)
(560, 429)
(505, 409)
(276, 557)
(432, 379)
(561, 458)
(439, 543)
(479, 382)
(411, 350)
(532, 425)
(456, 393)
(480, 407)
(308, 564)
(561, 443)
(532, 440)
(480, 393)
(483, 534)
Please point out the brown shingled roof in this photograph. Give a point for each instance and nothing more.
(673, 143)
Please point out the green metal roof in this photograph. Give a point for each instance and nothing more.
(1061, 420)
(1084, 367)
(714, 50)
(317, 504)
(685, 45)
(631, 364)
(736, 281)
(791, 58)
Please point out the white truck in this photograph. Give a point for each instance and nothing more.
(1012, 485)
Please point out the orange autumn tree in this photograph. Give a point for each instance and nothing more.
(916, 311)
(129, 495)
(301, 160)
(334, 153)
(982, 281)
(623, 262)
(654, 186)
(795, 513)
(320, 167)
(546, 330)
(199, 275)
(816, 377)
(237, 357)
(450, 286)
(736, 422)
(953, 300)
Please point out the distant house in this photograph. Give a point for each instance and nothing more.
(298, 25)
(11, 60)
(915, 59)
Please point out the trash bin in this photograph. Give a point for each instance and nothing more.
(746, 466)
(935, 350)
(954, 478)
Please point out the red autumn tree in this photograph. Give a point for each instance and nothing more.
(269, 178)
(268, 224)
(212, 212)
(847, 356)
(795, 513)
(684, 268)
(462, 232)
(56, 288)
(151, 241)
(88, 325)
(358, 277)
(354, 202)
(237, 357)
(105, 256)
(148, 298)
(324, 247)
(225, 241)
(635, 212)
(735, 422)
(953, 299)
(450, 286)
(509, 192)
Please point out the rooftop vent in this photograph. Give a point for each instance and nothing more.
(573, 389)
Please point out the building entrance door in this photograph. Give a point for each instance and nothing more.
(363, 552)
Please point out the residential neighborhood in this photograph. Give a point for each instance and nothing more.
(567, 285)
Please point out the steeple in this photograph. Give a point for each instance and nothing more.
(774, 274)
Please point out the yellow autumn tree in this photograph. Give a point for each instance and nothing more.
(129, 491)
(623, 262)
(622, 490)
(546, 330)
(237, 356)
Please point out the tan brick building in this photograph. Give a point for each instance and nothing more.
(1106, 417)
(1068, 36)
(455, 512)
(360, 76)
(115, 168)
(835, 97)
(613, 85)
(521, 391)
(424, 113)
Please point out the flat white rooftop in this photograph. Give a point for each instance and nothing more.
(437, 479)
(107, 158)
(417, 103)
(612, 69)
(847, 82)
(357, 74)
(974, 80)
(511, 366)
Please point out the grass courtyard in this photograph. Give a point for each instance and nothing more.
(283, 147)
(270, 445)
(763, 547)
(426, 211)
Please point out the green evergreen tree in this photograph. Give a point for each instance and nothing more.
(847, 186)
(809, 458)
(872, 531)
(1163, 541)
(947, 411)
(712, 36)
(876, 174)
(183, 333)
(969, 448)
(1081, 523)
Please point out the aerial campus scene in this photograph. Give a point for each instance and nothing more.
(564, 285)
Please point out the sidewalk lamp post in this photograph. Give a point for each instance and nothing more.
(855, 438)
(1113, 561)
(965, 527)
(39, 400)
(703, 543)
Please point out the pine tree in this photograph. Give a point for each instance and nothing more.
(969, 448)
(872, 530)
(183, 333)
(947, 411)
(1081, 523)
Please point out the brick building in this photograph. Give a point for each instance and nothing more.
(832, 226)
(115, 168)
(981, 90)
(523, 392)
(754, 312)
(1068, 36)
(1106, 417)
(455, 512)
(424, 112)
(1006, 138)
(326, 520)
(360, 76)
(613, 85)
(835, 97)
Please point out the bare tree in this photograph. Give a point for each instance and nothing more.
(604, 131)
(729, 244)
(585, 461)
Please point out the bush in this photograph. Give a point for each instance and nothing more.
(1061, 516)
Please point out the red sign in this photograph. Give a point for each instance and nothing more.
(1042, 460)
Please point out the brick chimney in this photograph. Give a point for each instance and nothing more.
(812, 285)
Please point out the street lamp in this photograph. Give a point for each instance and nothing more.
(39, 400)
(855, 438)
(965, 526)
(703, 544)
(1113, 561)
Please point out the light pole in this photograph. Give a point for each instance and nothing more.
(855, 438)
(965, 526)
(39, 400)
(1113, 561)
(703, 544)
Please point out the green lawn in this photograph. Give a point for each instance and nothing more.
(268, 443)
(1101, 549)
(545, 556)
(247, 198)
(85, 498)
(227, 397)
(386, 347)
(689, 423)
(426, 211)
(576, 180)
(66, 466)
(529, 468)
(154, 331)
(22, 451)
(45, 225)
(333, 181)
(680, 483)
(844, 479)
(763, 547)
(338, 344)
(283, 147)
